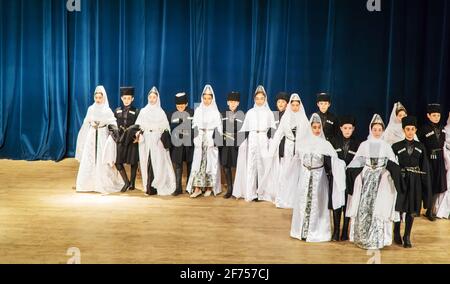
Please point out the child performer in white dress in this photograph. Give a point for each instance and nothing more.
(443, 202)
(321, 186)
(371, 203)
(158, 176)
(95, 175)
(294, 123)
(205, 172)
(253, 180)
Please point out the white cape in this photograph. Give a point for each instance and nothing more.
(153, 121)
(95, 174)
(206, 119)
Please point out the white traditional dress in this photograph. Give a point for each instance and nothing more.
(371, 207)
(292, 125)
(152, 121)
(254, 179)
(94, 174)
(205, 169)
(443, 202)
(311, 217)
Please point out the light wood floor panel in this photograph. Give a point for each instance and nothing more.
(41, 216)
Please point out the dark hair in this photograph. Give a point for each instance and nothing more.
(259, 92)
(375, 123)
(399, 110)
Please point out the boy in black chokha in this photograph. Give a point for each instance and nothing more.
(282, 102)
(232, 138)
(346, 144)
(182, 149)
(413, 161)
(432, 135)
(127, 149)
(329, 120)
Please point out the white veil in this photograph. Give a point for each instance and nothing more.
(253, 117)
(372, 147)
(292, 119)
(394, 131)
(153, 116)
(96, 113)
(447, 129)
(100, 112)
(310, 143)
(207, 117)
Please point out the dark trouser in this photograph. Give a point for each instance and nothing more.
(132, 182)
(432, 202)
(150, 176)
(336, 223)
(179, 175)
(409, 220)
(229, 178)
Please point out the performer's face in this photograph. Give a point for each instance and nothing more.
(377, 131)
(347, 130)
(233, 105)
(316, 128)
(410, 132)
(207, 99)
(295, 106)
(260, 99)
(434, 117)
(152, 98)
(323, 106)
(127, 100)
(281, 105)
(98, 98)
(181, 107)
(400, 115)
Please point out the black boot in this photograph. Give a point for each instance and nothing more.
(429, 213)
(133, 177)
(150, 177)
(336, 224)
(152, 191)
(178, 176)
(344, 236)
(123, 174)
(188, 174)
(397, 236)
(229, 177)
(408, 227)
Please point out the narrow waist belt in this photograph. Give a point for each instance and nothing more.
(374, 167)
(415, 170)
(312, 168)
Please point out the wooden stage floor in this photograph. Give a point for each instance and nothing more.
(41, 217)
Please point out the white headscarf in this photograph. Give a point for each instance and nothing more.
(207, 117)
(259, 117)
(372, 147)
(260, 89)
(394, 131)
(310, 143)
(100, 112)
(292, 119)
(153, 117)
(447, 129)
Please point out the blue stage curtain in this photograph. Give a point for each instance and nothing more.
(51, 59)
